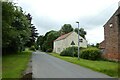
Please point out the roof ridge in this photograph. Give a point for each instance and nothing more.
(63, 36)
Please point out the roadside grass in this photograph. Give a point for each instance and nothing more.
(13, 65)
(106, 67)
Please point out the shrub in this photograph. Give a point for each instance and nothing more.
(91, 54)
(76, 51)
(67, 52)
(32, 48)
(70, 51)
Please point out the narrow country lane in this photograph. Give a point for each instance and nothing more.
(47, 66)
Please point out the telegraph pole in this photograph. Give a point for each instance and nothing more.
(78, 42)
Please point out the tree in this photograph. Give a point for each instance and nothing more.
(40, 41)
(29, 17)
(15, 28)
(66, 28)
(97, 45)
(49, 39)
(94, 45)
(82, 33)
(33, 34)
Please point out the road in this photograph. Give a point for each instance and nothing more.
(47, 66)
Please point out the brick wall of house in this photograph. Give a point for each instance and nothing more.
(102, 45)
(119, 33)
(112, 37)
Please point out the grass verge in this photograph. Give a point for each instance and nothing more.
(13, 65)
(106, 67)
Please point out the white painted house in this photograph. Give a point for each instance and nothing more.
(65, 41)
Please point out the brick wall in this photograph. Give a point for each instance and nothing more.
(112, 37)
(112, 56)
(102, 45)
(119, 31)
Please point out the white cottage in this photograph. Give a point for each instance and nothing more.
(65, 41)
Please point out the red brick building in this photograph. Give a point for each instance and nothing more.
(111, 43)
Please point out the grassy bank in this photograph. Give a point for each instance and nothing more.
(109, 68)
(13, 65)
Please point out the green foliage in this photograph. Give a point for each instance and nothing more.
(48, 40)
(16, 28)
(91, 54)
(40, 41)
(36, 46)
(66, 28)
(70, 51)
(85, 53)
(33, 34)
(82, 32)
(67, 52)
(94, 45)
(15, 31)
(32, 48)
(97, 45)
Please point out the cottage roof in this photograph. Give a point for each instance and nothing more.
(63, 36)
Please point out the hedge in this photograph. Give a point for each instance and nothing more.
(91, 53)
(70, 51)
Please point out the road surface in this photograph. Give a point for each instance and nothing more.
(47, 66)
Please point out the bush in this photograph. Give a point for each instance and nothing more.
(91, 54)
(70, 51)
(67, 52)
(32, 48)
(76, 51)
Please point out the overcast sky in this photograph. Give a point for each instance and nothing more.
(52, 14)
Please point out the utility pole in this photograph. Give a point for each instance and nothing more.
(78, 42)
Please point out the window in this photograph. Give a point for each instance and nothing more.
(81, 40)
(111, 25)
